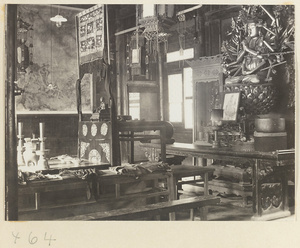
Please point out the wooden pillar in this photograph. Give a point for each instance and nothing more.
(78, 82)
(160, 83)
(255, 189)
(11, 166)
(119, 67)
(111, 81)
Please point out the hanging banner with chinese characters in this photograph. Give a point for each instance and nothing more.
(91, 34)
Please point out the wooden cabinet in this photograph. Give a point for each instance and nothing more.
(207, 88)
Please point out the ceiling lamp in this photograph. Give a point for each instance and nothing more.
(58, 19)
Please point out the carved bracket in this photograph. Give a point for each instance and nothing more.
(271, 196)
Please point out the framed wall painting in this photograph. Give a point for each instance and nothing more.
(49, 83)
(231, 106)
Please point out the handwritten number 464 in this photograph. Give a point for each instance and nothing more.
(34, 239)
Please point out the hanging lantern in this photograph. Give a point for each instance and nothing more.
(137, 48)
(148, 10)
(24, 45)
(156, 18)
(22, 57)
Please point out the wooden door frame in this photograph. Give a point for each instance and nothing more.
(11, 166)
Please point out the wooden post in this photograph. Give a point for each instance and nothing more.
(284, 183)
(255, 189)
(119, 58)
(78, 82)
(163, 144)
(11, 166)
(204, 210)
(117, 190)
(192, 215)
(115, 143)
(161, 83)
(37, 198)
(172, 182)
(131, 159)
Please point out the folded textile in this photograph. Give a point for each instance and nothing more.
(154, 166)
(137, 170)
(25, 176)
(85, 174)
(81, 173)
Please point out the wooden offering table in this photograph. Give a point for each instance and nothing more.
(69, 195)
(180, 171)
(269, 182)
(86, 193)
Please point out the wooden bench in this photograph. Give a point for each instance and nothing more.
(151, 210)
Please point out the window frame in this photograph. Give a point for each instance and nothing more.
(182, 124)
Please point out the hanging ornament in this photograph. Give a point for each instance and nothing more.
(181, 31)
(24, 44)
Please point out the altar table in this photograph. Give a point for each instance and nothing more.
(269, 173)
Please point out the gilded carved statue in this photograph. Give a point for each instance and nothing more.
(258, 41)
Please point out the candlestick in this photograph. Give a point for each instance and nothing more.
(42, 146)
(216, 142)
(20, 128)
(42, 127)
(20, 150)
(216, 121)
(216, 117)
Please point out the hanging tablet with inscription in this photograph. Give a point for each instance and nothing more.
(90, 34)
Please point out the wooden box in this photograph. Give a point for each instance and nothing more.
(267, 142)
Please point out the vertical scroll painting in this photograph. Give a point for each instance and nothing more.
(49, 82)
(91, 34)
